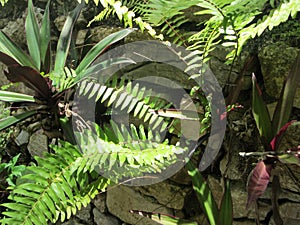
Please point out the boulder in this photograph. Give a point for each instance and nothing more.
(276, 61)
(121, 199)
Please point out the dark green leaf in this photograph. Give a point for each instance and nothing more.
(8, 47)
(45, 35)
(100, 47)
(11, 120)
(64, 40)
(285, 104)
(226, 208)
(261, 113)
(33, 36)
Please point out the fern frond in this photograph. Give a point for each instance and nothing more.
(127, 98)
(51, 190)
(276, 16)
(126, 153)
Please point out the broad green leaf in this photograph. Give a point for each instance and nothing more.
(100, 47)
(204, 194)
(11, 49)
(64, 40)
(45, 34)
(226, 208)
(261, 113)
(11, 120)
(8, 96)
(33, 36)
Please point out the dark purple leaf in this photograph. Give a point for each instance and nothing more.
(258, 181)
(30, 77)
(276, 140)
(7, 60)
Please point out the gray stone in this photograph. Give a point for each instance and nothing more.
(227, 74)
(84, 213)
(276, 61)
(16, 31)
(166, 194)
(181, 177)
(290, 214)
(239, 199)
(121, 199)
(22, 138)
(72, 221)
(100, 202)
(103, 219)
(38, 144)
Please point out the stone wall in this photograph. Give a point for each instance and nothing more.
(175, 196)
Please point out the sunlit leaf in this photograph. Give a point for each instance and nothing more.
(45, 35)
(33, 36)
(204, 194)
(64, 40)
(8, 47)
(8, 96)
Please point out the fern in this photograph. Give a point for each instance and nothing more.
(52, 189)
(3, 2)
(276, 16)
(120, 153)
(128, 98)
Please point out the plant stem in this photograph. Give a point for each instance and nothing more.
(274, 199)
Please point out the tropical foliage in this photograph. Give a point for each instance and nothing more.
(230, 23)
(57, 185)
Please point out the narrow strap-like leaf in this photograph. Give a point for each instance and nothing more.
(45, 35)
(33, 36)
(31, 78)
(226, 208)
(64, 40)
(8, 47)
(100, 47)
(8, 96)
(261, 113)
(11, 120)
(204, 194)
(285, 104)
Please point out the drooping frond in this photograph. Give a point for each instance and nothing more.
(51, 189)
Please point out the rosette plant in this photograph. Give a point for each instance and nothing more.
(51, 81)
(272, 132)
